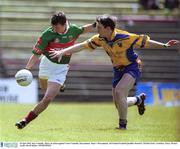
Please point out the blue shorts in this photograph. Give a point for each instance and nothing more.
(132, 69)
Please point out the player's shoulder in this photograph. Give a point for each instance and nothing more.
(121, 32)
(126, 32)
(73, 26)
(48, 31)
(95, 37)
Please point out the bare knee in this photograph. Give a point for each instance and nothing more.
(120, 91)
(47, 99)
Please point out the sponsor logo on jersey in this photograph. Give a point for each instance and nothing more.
(70, 37)
(120, 44)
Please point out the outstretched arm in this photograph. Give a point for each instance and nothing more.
(70, 50)
(156, 44)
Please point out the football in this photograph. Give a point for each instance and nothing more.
(24, 77)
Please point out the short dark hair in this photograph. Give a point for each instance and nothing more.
(107, 21)
(58, 18)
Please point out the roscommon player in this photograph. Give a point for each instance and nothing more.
(119, 45)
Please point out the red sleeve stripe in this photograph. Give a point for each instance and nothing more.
(37, 51)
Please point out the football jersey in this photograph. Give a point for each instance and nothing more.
(53, 40)
(121, 47)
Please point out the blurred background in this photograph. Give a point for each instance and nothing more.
(89, 78)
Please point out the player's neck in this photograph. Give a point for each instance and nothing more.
(61, 32)
(65, 30)
(109, 36)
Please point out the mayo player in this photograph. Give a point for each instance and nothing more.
(52, 73)
(119, 45)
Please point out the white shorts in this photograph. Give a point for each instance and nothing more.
(52, 71)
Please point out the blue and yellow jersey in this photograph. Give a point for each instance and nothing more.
(120, 48)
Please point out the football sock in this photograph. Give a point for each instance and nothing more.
(31, 115)
(122, 123)
(138, 100)
(131, 101)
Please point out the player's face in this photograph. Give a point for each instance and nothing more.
(60, 28)
(103, 31)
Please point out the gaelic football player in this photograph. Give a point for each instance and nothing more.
(119, 45)
(52, 73)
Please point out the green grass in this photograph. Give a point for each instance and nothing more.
(90, 122)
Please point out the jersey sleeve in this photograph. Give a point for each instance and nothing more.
(40, 45)
(78, 30)
(140, 41)
(92, 43)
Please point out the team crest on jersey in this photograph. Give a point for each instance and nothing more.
(64, 37)
(120, 44)
(56, 40)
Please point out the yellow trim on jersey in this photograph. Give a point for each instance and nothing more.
(120, 48)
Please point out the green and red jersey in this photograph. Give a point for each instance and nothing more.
(53, 40)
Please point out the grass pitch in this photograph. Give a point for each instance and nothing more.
(90, 122)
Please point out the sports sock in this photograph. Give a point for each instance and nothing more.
(139, 100)
(31, 115)
(131, 101)
(122, 123)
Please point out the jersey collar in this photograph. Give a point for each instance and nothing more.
(112, 36)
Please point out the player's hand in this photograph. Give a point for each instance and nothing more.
(171, 43)
(56, 54)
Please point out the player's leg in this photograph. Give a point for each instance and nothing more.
(114, 98)
(131, 101)
(121, 90)
(62, 88)
(56, 75)
(43, 77)
(51, 92)
(43, 84)
(44, 73)
(140, 103)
